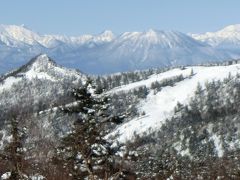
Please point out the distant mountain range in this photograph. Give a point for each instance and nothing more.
(108, 53)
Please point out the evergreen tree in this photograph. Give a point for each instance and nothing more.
(13, 153)
(85, 152)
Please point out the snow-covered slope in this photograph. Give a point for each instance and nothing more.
(160, 106)
(128, 51)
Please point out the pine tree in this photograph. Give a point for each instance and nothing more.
(85, 152)
(13, 153)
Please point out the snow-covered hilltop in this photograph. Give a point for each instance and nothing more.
(42, 67)
(116, 53)
(39, 79)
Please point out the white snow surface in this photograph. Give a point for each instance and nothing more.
(158, 107)
(7, 84)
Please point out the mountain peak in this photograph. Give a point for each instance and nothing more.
(43, 67)
(151, 33)
(42, 57)
(18, 33)
(41, 60)
(107, 32)
(227, 37)
(105, 36)
(232, 28)
(158, 38)
(39, 63)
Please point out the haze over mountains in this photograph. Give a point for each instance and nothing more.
(114, 53)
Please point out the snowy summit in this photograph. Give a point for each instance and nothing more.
(124, 52)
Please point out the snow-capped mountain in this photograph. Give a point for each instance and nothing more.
(227, 39)
(18, 44)
(138, 50)
(39, 79)
(42, 67)
(16, 35)
(13, 35)
(113, 53)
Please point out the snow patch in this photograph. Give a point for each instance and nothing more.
(7, 83)
(218, 144)
(6, 176)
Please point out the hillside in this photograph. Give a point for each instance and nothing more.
(159, 104)
(169, 117)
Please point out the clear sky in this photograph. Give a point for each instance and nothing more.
(76, 17)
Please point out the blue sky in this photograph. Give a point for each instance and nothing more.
(76, 17)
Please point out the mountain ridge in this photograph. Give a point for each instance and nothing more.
(125, 52)
(229, 34)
